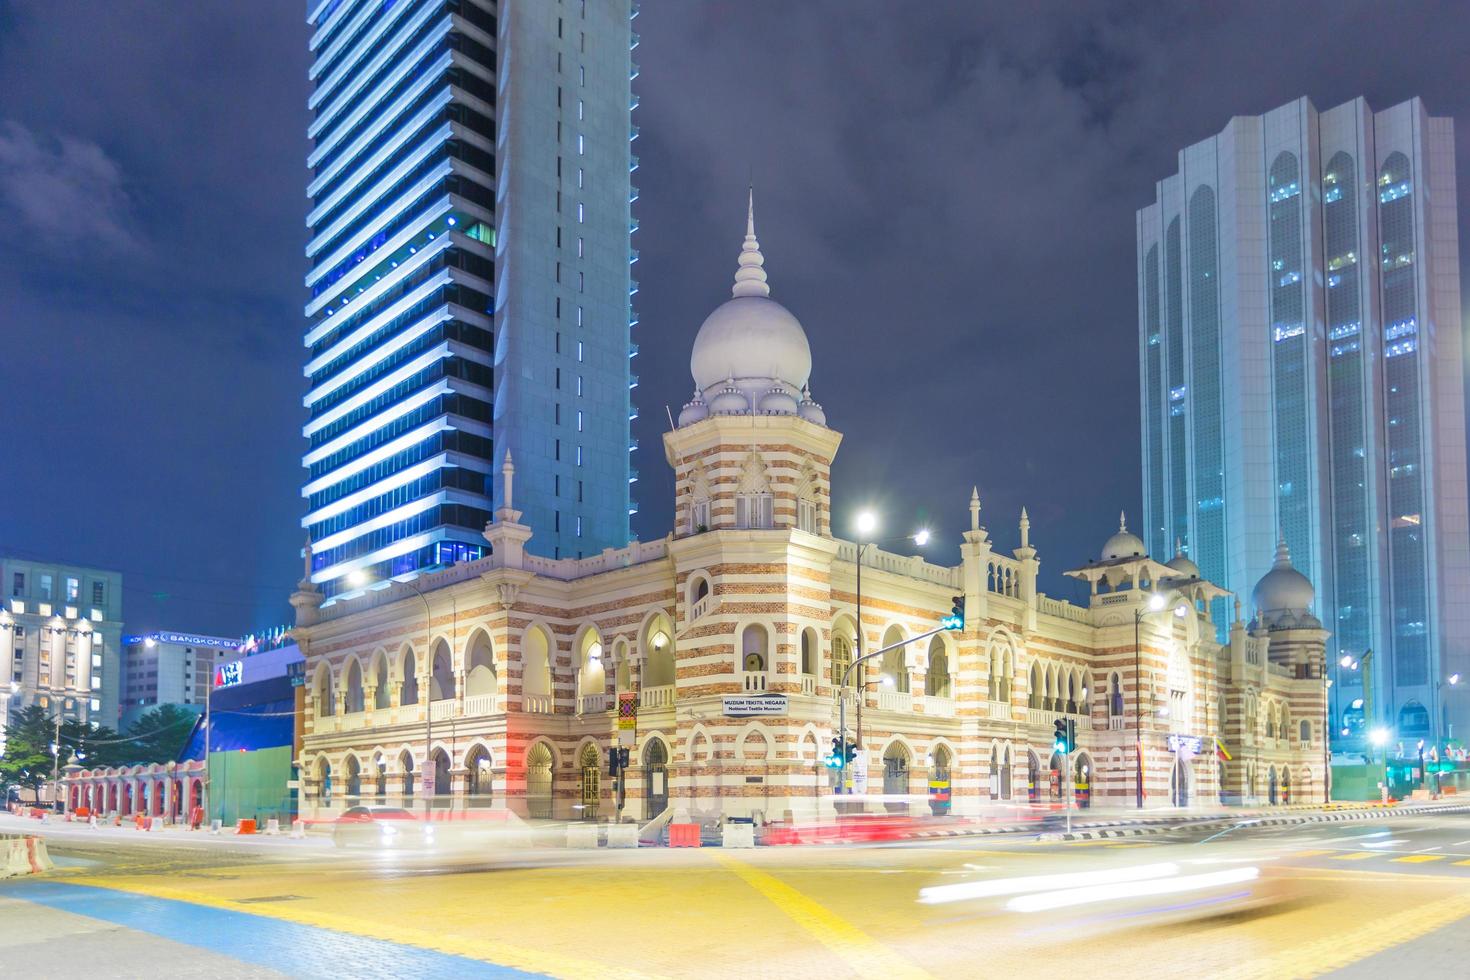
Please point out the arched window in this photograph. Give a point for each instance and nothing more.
(1115, 696)
(326, 701)
(895, 664)
(1304, 731)
(808, 651)
(441, 686)
(1034, 696)
(754, 656)
(354, 686)
(591, 674)
(1413, 720)
(753, 504)
(382, 696)
(480, 677)
(410, 676)
(538, 781)
(536, 671)
(841, 653)
(658, 664)
(405, 766)
(323, 780)
(354, 781)
(937, 680)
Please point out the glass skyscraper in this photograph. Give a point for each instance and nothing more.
(470, 278)
(1300, 359)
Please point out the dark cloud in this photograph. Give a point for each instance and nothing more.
(945, 196)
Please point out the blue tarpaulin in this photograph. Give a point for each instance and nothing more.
(248, 717)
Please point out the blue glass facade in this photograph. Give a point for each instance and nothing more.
(412, 312)
(1310, 395)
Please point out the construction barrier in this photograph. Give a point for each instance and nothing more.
(245, 826)
(683, 835)
(273, 826)
(622, 835)
(23, 856)
(737, 835)
(582, 835)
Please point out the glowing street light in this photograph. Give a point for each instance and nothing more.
(867, 522)
(1378, 736)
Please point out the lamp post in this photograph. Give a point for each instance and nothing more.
(360, 579)
(867, 523)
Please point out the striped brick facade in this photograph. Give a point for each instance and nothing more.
(526, 658)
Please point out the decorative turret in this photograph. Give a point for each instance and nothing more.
(1283, 598)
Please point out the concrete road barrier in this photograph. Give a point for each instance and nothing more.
(23, 856)
(622, 835)
(582, 835)
(737, 835)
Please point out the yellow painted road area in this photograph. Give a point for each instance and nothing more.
(806, 912)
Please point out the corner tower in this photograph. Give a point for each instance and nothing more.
(751, 450)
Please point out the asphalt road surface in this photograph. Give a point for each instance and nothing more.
(1370, 898)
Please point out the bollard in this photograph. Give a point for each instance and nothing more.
(92, 821)
(273, 826)
(214, 826)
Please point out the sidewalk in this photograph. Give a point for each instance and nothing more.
(57, 828)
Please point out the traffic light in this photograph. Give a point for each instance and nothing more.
(834, 758)
(956, 618)
(1071, 735)
(1059, 738)
(851, 751)
(614, 757)
(623, 758)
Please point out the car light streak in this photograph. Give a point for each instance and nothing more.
(1129, 889)
(940, 894)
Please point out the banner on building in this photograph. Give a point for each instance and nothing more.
(627, 711)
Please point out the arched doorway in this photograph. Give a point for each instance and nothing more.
(655, 778)
(405, 766)
(591, 781)
(380, 778)
(896, 776)
(1033, 777)
(1271, 785)
(323, 780)
(1003, 771)
(354, 781)
(538, 782)
(1285, 785)
(1179, 783)
(1082, 781)
(939, 781)
(443, 778)
(1055, 770)
(480, 778)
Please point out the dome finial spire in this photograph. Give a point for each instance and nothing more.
(750, 277)
(1122, 521)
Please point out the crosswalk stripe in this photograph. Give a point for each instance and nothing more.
(1462, 864)
(1419, 858)
(1310, 853)
(1354, 856)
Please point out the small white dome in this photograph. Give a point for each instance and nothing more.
(1182, 563)
(1123, 544)
(810, 410)
(730, 400)
(1283, 592)
(695, 411)
(778, 401)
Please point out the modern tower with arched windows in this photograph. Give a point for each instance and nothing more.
(1300, 357)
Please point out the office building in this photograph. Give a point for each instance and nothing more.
(470, 288)
(169, 667)
(60, 639)
(1301, 377)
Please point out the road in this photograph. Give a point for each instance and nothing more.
(1345, 899)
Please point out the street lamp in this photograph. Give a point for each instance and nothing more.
(1156, 603)
(359, 579)
(866, 523)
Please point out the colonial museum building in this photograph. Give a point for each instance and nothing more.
(714, 655)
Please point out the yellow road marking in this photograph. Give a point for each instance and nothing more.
(1462, 864)
(865, 955)
(489, 950)
(1367, 937)
(1309, 854)
(1355, 856)
(1419, 858)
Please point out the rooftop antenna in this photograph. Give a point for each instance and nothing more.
(670, 413)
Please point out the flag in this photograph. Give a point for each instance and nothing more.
(1142, 794)
(1220, 752)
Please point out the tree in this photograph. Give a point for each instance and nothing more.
(159, 735)
(27, 759)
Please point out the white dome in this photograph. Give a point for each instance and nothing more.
(1123, 544)
(1182, 563)
(750, 337)
(778, 401)
(1283, 591)
(730, 401)
(695, 411)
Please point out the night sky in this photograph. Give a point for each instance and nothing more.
(945, 195)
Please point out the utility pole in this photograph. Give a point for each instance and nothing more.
(56, 760)
(208, 723)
